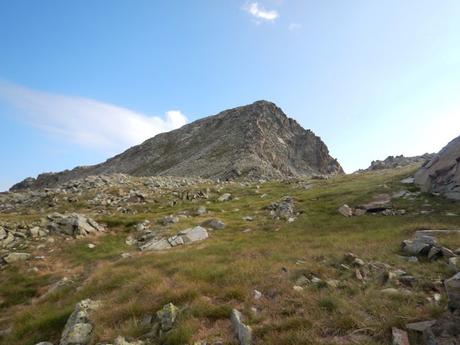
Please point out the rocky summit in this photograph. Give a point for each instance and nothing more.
(441, 174)
(253, 141)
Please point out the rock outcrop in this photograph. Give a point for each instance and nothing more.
(442, 173)
(392, 162)
(254, 141)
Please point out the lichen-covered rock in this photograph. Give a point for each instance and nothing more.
(243, 331)
(167, 316)
(78, 329)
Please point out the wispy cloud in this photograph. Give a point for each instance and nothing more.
(84, 121)
(294, 26)
(259, 12)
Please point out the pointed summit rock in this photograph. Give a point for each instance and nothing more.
(252, 141)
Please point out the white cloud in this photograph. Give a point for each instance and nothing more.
(260, 13)
(294, 26)
(85, 121)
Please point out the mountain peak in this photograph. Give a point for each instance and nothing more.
(252, 141)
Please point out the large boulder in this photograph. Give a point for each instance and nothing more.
(442, 173)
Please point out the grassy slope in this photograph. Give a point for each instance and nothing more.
(210, 278)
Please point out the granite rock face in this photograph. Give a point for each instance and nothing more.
(252, 141)
(442, 173)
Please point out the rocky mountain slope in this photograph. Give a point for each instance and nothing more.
(442, 173)
(255, 141)
(392, 162)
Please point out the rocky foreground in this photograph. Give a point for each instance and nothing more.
(115, 259)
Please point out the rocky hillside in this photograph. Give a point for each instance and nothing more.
(255, 141)
(392, 162)
(126, 260)
(441, 174)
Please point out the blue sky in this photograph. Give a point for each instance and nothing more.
(83, 80)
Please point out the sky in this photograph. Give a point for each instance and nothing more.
(83, 80)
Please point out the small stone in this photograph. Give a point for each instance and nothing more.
(346, 210)
(215, 224)
(224, 197)
(248, 218)
(201, 211)
(257, 295)
(297, 288)
(420, 326)
(91, 246)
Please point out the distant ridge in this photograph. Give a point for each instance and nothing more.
(252, 141)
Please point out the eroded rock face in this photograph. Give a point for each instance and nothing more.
(78, 329)
(255, 141)
(442, 173)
